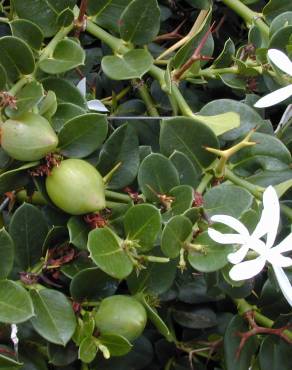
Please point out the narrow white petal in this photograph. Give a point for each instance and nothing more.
(280, 60)
(284, 283)
(285, 245)
(231, 222)
(275, 97)
(225, 238)
(239, 255)
(81, 86)
(96, 105)
(270, 217)
(247, 269)
(276, 259)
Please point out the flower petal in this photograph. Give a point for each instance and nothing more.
(275, 97)
(276, 259)
(96, 105)
(231, 222)
(247, 269)
(280, 60)
(270, 217)
(285, 245)
(81, 86)
(239, 255)
(284, 283)
(225, 238)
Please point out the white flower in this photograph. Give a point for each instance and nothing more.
(14, 337)
(94, 104)
(268, 225)
(282, 62)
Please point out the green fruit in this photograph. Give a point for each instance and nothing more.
(28, 138)
(76, 187)
(121, 315)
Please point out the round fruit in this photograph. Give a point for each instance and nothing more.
(76, 187)
(121, 315)
(28, 138)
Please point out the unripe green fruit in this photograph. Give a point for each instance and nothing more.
(121, 315)
(76, 187)
(28, 138)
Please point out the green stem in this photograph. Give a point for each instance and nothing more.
(19, 85)
(204, 183)
(117, 196)
(247, 14)
(49, 49)
(253, 189)
(4, 20)
(182, 104)
(110, 204)
(147, 98)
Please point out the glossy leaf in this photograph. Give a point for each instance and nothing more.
(195, 318)
(106, 251)
(55, 319)
(16, 57)
(6, 253)
(183, 196)
(189, 137)
(140, 22)
(142, 224)
(15, 303)
(116, 344)
(82, 135)
(157, 175)
(275, 354)
(15, 178)
(28, 229)
(133, 64)
(78, 232)
(28, 32)
(67, 55)
(121, 147)
(176, 232)
(92, 284)
(87, 350)
(188, 175)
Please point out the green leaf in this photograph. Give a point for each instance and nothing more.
(55, 320)
(3, 77)
(65, 18)
(16, 57)
(231, 345)
(227, 200)
(8, 363)
(142, 224)
(82, 135)
(65, 112)
(133, 64)
(67, 55)
(42, 12)
(116, 344)
(28, 229)
(188, 175)
(6, 253)
(225, 58)
(281, 38)
(155, 318)
(275, 7)
(282, 20)
(16, 178)
(220, 123)
(107, 12)
(140, 22)
(78, 232)
(65, 91)
(176, 232)
(106, 251)
(183, 196)
(28, 32)
(189, 137)
(48, 106)
(275, 354)
(92, 284)
(15, 303)
(195, 318)
(87, 350)
(26, 99)
(157, 175)
(213, 257)
(249, 118)
(121, 147)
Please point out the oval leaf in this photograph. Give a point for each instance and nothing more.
(6, 253)
(55, 319)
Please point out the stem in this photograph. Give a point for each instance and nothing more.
(19, 85)
(182, 104)
(253, 189)
(49, 49)
(4, 20)
(248, 15)
(117, 196)
(147, 98)
(204, 183)
(110, 204)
